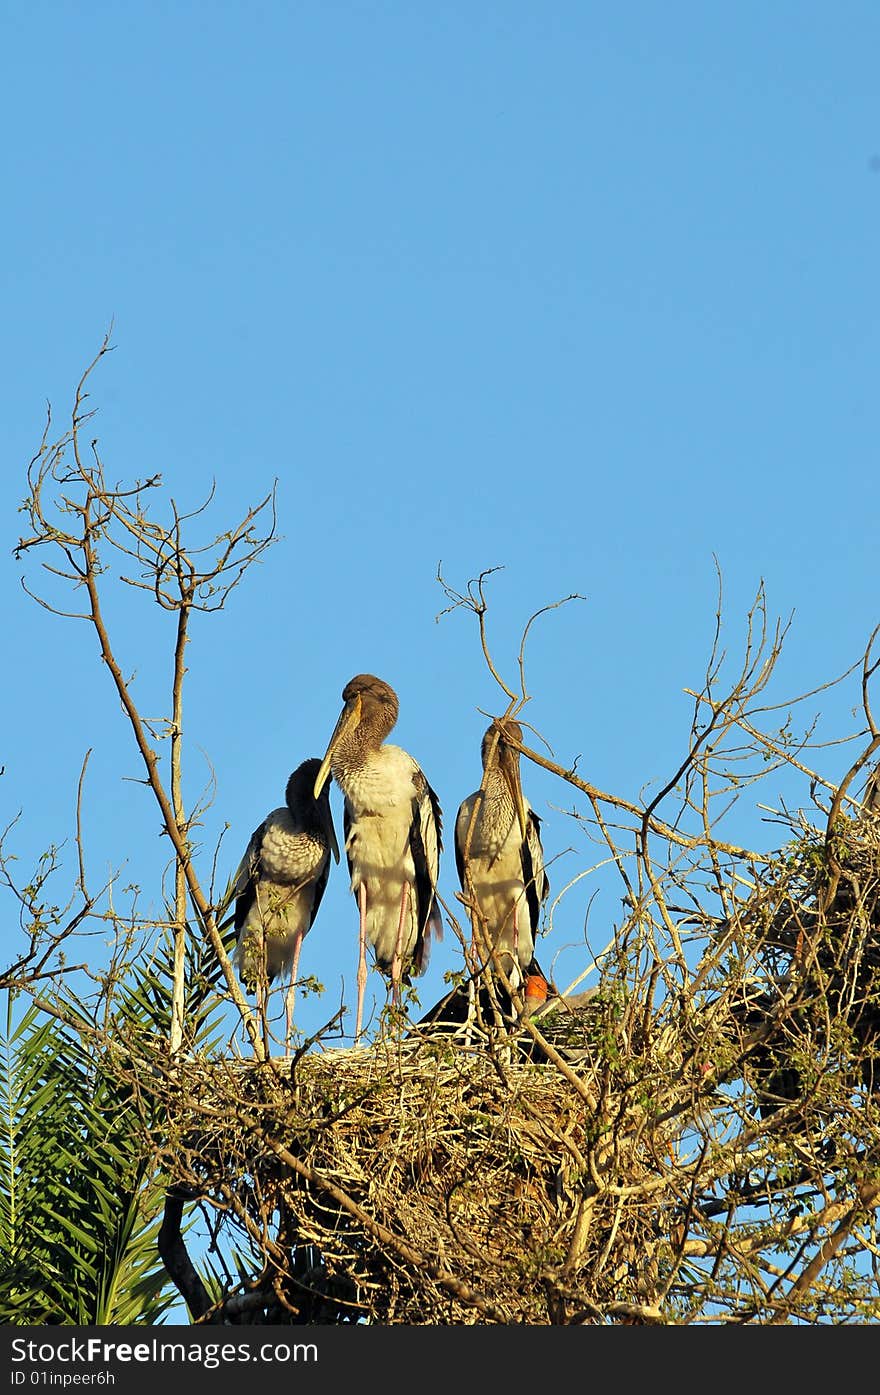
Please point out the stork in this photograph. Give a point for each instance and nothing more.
(456, 1008)
(393, 835)
(279, 885)
(500, 859)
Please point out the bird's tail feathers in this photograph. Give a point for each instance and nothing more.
(433, 931)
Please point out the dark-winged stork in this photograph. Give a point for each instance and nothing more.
(279, 885)
(457, 1007)
(500, 859)
(871, 797)
(393, 835)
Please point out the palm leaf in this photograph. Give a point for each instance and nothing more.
(78, 1212)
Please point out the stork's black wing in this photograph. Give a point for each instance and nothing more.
(459, 850)
(535, 879)
(245, 886)
(320, 887)
(426, 841)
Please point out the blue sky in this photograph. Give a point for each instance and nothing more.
(584, 292)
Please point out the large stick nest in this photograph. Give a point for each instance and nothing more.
(815, 922)
(423, 1182)
(563, 1178)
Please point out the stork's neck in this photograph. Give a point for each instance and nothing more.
(360, 746)
(351, 754)
(498, 804)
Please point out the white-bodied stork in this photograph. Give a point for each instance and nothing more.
(393, 835)
(279, 885)
(500, 859)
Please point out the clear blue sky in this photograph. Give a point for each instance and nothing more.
(586, 292)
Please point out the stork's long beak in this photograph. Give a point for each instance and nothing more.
(511, 774)
(348, 718)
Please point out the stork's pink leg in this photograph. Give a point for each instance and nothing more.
(362, 960)
(291, 995)
(396, 962)
(262, 996)
(472, 960)
(261, 990)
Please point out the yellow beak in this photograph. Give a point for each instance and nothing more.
(511, 772)
(348, 718)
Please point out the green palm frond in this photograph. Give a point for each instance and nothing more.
(144, 999)
(80, 1202)
(79, 1213)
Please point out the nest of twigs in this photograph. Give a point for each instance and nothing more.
(421, 1181)
(562, 1168)
(816, 922)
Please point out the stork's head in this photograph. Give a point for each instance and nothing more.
(369, 714)
(497, 750)
(304, 803)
